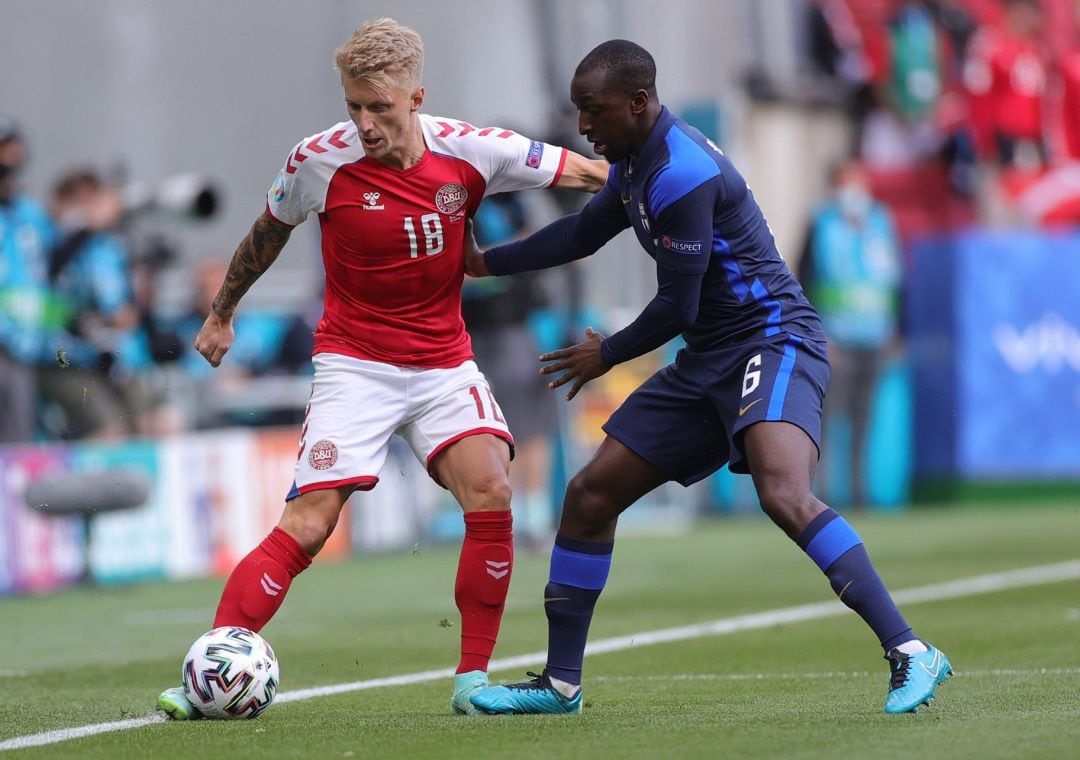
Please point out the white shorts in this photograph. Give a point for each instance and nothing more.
(357, 405)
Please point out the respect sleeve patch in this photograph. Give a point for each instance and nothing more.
(682, 246)
(536, 152)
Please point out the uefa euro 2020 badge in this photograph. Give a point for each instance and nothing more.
(279, 187)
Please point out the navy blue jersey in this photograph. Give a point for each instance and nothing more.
(721, 280)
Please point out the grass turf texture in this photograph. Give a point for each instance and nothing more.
(810, 689)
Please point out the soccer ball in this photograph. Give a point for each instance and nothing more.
(230, 672)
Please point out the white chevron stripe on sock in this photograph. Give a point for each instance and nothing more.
(269, 585)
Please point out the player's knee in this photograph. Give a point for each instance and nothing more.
(310, 524)
(587, 505)
(784, 500)
(490, 492)
(310, 531)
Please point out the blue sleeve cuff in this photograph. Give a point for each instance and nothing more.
(607, 354)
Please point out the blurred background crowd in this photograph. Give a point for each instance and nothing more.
(86, 351)
(976, 102)
(863, 125)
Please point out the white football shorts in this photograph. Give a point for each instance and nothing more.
(356, 405)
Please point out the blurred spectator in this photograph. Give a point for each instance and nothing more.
(1006, 79)
(1069, 95)
(152, 350)
(956, 27)
(1052, 197)
(851, 271)
(914, 85)
(837, 53)
(959, 27)
(496, 311)
(903, 131)
(93, 393)
(298, 343)
(266, 344)
(25, 237)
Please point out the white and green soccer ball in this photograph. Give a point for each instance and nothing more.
(230, 672)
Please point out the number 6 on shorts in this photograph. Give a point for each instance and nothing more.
(752, 377)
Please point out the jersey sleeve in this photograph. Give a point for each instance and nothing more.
(289, 200)
(684, 230)
(516, 162)
(505, 160)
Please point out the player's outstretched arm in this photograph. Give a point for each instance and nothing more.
(582, 173)
(253, 256)
(572, 237)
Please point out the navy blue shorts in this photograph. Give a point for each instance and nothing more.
(686, 419)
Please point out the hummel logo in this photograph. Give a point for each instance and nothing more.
(269, 586)
(744, 409)
(496, 569)
(935, 665)
(372, 199)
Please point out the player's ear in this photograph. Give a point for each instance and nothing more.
(639, 101)
(417, 99)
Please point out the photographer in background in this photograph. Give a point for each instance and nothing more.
(90, 391)
(25, 237)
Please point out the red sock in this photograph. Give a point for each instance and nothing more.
(483, 578)
(258, 583)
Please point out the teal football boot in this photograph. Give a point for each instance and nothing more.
(537, 696)
(174, 703)
(465, 685)
(914, 678)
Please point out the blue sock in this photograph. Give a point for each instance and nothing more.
(837, 549)
(579, 570)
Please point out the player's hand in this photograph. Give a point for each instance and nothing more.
(475, 266)
(215, 338)
(580, 363)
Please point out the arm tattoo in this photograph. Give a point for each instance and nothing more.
(253, 257)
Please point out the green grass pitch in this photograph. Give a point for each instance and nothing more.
(811, 689)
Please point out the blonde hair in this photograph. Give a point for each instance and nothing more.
(382, 53)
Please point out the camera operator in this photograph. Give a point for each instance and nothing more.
(25, 236)
(92, 314)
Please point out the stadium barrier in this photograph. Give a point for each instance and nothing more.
(212, 497)
(994, 327)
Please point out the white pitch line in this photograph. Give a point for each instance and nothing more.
(67, 734)
(979, 584)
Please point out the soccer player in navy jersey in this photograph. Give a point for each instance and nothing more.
(747, 389)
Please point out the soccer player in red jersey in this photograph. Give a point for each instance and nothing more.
(392, 189)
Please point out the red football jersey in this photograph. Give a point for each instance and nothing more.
(393, 239)
(1006, 79)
